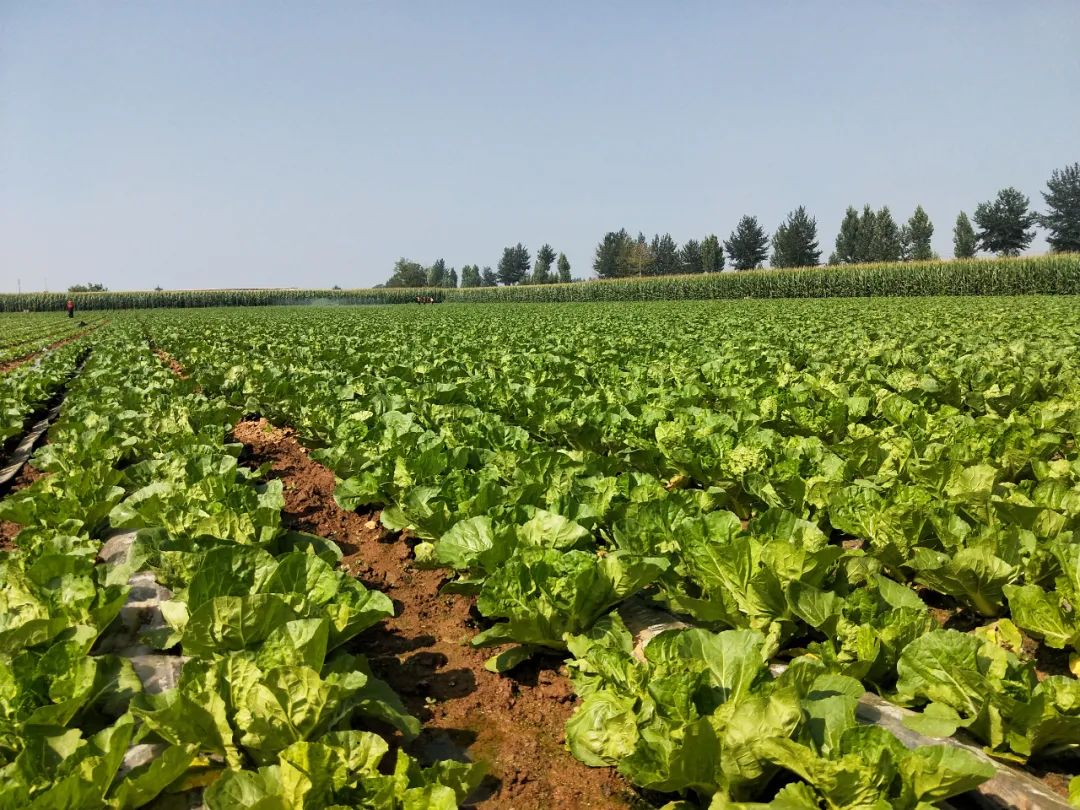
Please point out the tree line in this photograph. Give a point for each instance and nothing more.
(515, 267)
(1004, 225)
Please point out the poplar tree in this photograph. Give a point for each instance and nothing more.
(542, 268)
(1005, 223)
(964, 241)
(1062, 217)
(712, 256)
(920, 230)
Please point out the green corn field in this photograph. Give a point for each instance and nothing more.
(1054, 274)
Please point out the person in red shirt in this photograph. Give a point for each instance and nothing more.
(71, 308)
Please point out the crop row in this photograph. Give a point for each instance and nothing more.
(271, 708)
(25, 335)
(826, 482)
(1055, 274)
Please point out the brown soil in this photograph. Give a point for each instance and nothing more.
(172, 363)
(8, 530)
(514, 723)
(24, 478)
(8, 365)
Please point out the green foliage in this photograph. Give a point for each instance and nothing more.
(748, 245)
(1062, 217)
(965, 243)
(514, 265)
(885, 239)
(436, 274)
(563, 266)
(542, 268)
(703, 715)
(609, 261)
(1049, 275)
(665, 256)
(89, 287)
(919, 232)
(1005, 224)
(408, 274)
(690, 257)
(795, 242)
(712, 255)
(470, 276)
(847, 240)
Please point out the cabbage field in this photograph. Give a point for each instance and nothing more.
(399, 557)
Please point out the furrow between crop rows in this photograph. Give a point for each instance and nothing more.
(513, 724)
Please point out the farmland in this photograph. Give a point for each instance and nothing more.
(392, 556)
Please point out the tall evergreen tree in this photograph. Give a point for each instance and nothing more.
(665, 255)
(919, 231)
(610, 261)
(514, 264)
(847, 240)
(470, 276)
(451, 278)
(748, 244)
(545, 256)
(488, 278)
(690, 257)
(712, 255)
(1062, 217)
(964, 241)
(563, 266)
(1005, 223)
(795, 241)
(885, 238)
(436, 274)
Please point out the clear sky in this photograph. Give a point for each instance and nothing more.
(209, 144)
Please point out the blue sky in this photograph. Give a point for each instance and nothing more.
(205, 144)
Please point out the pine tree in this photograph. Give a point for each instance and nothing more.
(436, 274)
(1062, 218)
(563, 265)
(885, 238)
(665, 255)
(920, 230)
(964, 242)
(847, 240)
(712, 255)
(514, 264)
(470, 276)
(1005, 223)
(488, 278)
(748, 245)
(864, 238)
(451, 278)
(609, 261)
(542, 267)
(795, 241)
(690, 257)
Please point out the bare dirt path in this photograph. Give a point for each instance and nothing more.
(515, 724)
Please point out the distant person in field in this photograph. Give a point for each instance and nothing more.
(71, 308)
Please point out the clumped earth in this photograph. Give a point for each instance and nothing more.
(514, 722)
